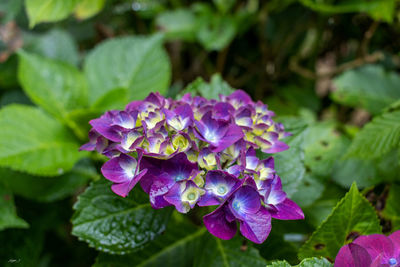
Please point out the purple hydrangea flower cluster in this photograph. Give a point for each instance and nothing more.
(371, 250)
(198, 151)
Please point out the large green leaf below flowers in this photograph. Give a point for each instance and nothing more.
(175, 247)
(352, 216)
(114, 224)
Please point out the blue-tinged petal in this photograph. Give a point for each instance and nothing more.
(219, 186)
(244, 201)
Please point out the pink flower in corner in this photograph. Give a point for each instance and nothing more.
(371, 250)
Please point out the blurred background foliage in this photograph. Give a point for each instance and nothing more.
(328, 68)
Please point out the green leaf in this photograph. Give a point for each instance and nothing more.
(9, 218)
(351, 217)
(377, 137)
(55, 44)
(224, 5)
(45, 189)
(113, 99)
(9, 10)
(48, 10)
(88, 8)
(175, 247)
(33, 142)
(215, 31)
(323, 145)
(310, 262)
(14, 96)
(138, 64)
(369, 87)
(55, 86)
(392, 209)
(114, 224)
(213, 251)
(363, 172)
(210, 90)
(308, 191)
(289, 164)
(377, 9)
(178, 24)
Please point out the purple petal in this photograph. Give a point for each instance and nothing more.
(103, 126)
(174, 197)
(210, 130)
(277, 146)
(133, 106)
(122, 170)
(160, 186)
(272, 191)
(233, 134)
(125, 120)
(288, 210)
(217, 224)
(123, 189)
(256, 227)
(222, 111)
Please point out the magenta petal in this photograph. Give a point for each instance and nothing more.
(360, 255)
(376, 244)
(288, 210)
(120, 169)
(123, 189)
(257, 226)
(344, 258)
(217, 224)
(395, 238)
